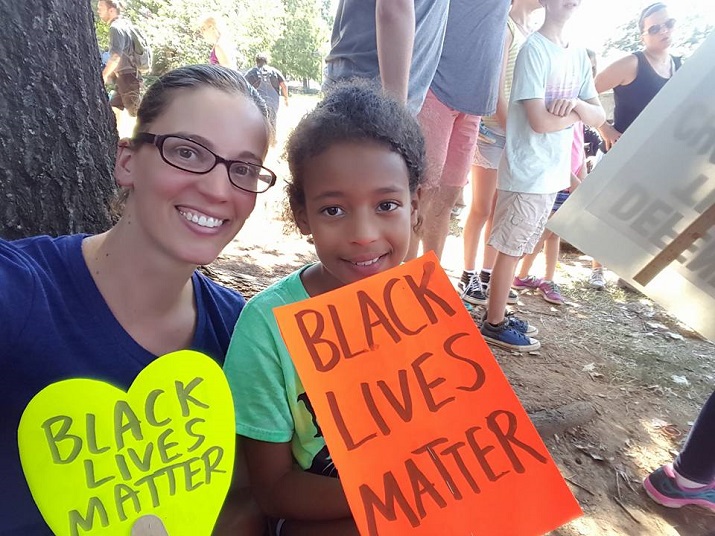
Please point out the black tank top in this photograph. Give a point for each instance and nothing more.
(630, 100)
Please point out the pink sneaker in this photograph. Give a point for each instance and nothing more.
(529, 282)
(662, 487)
(551, 292)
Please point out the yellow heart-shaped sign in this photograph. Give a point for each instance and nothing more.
(97, 458)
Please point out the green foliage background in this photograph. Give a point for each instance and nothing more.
(294, 32)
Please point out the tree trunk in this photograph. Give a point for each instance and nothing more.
(57, 133)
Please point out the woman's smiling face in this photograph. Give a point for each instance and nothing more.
(192, 217)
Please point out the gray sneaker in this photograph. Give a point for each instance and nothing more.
(597, 280)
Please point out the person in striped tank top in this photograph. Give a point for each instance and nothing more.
(490, 144)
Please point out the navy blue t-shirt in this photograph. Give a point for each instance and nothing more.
(55, 325)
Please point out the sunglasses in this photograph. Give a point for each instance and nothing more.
(656, 28)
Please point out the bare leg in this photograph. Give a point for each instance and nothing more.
(552, 244)
(484, 183)
(500, 284)
(490, 254)
(436, 218)
(528, 260)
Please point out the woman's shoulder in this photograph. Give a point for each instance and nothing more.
(27, 265)
(39, 252)
(618, 74)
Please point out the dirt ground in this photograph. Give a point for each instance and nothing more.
(645, 374)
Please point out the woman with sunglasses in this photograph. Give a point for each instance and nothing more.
(105, 306)
(637, 78)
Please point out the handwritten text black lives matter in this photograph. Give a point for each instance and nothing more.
(446, 468)
(144, 473)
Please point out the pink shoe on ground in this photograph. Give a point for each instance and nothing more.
(662, 487)
(551, 292)
(529, 282)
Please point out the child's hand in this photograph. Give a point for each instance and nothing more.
(562, 107)
(148, 525)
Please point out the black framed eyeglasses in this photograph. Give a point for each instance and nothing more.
(656, 28)
(189, 155)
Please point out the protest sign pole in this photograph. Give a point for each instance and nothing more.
(695, 231)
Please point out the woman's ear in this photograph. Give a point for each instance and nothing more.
(124, 164)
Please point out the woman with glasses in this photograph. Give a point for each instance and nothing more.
(637, 78)
(105, 306)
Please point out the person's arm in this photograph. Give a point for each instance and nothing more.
(240, 513)
(543, 121)
(395, 25)
(502, 101)
(590, 111)
(576, 180)
(562, 113)
(110, 67)
(283, 491)
(116, 46)
(619, 73)
(252, 78)
(284, 90)
(224, 56)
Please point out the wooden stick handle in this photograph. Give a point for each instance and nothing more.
(149, 525)
(695, 230)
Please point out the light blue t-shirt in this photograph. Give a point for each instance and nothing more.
(541, 163)
(354, 45)
(467, 77)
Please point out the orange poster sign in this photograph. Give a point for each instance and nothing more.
(422, 424)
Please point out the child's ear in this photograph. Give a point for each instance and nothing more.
(415, 206)
(124, 164)
(301, 218)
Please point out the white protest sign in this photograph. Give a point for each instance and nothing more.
(648, 209)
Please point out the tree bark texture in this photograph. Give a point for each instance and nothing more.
(57, 132)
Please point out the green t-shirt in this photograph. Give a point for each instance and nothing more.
(270, 402)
